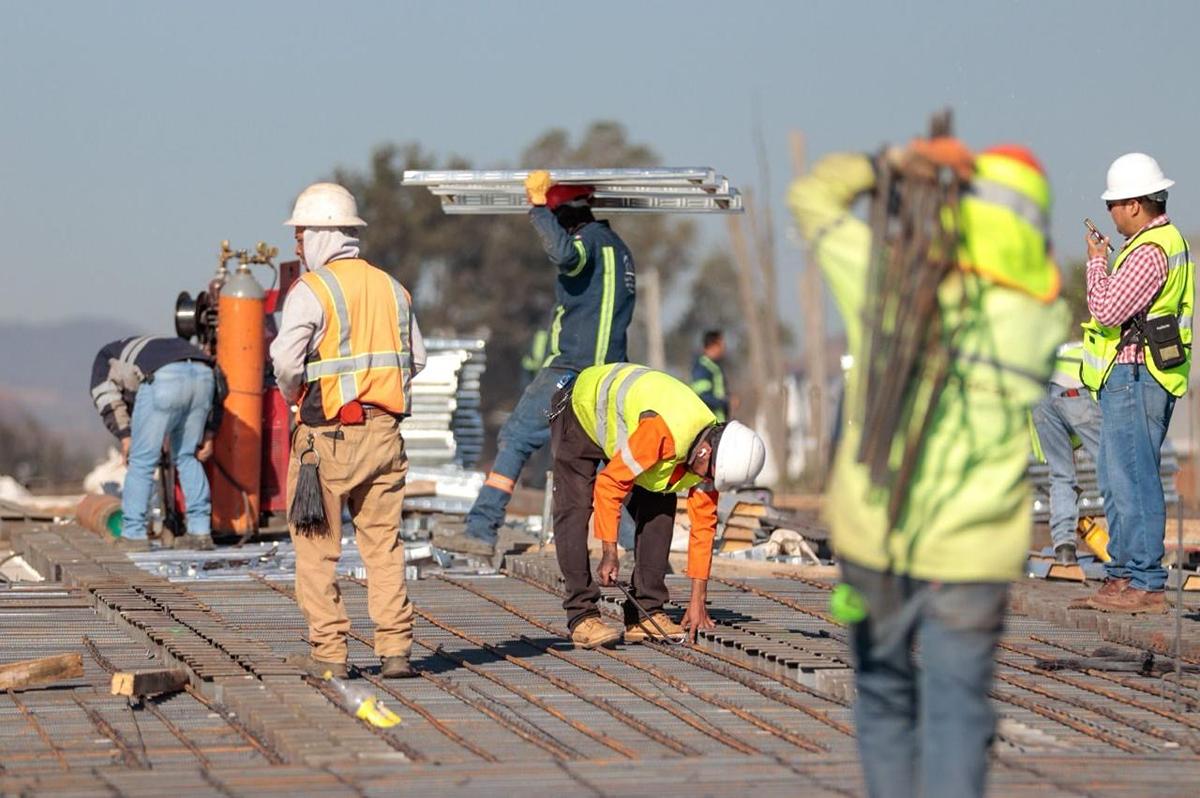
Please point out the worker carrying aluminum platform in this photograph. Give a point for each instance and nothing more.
(594, 294)
(654, 438)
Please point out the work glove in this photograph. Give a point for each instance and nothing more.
(536, 186)
(942, 151)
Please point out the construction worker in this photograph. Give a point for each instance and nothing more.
(939, 575)
(595, 297)
(1136, 358)
(654, 438)
(1067, 417)
(708, 376)
(347, 350)
(154, 388)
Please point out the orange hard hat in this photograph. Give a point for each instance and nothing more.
(1018, 153)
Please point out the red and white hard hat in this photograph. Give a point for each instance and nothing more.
(1135, 174)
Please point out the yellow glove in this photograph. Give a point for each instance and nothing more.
(536, 186)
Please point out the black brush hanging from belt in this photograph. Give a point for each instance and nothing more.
(914, 240)
(307, 513)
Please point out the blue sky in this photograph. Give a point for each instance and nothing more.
(136, 135)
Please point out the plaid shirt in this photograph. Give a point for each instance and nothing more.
(1114, 299)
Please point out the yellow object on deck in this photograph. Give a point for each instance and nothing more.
(1095, 536)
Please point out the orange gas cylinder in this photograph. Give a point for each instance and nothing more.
(241, 354)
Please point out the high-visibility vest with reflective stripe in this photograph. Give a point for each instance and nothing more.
(1003, 223)
(1067, 361)
(609, 401)
(1101, 343)
(715, 382)
(366, 350)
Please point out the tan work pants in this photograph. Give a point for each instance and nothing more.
(364, 466)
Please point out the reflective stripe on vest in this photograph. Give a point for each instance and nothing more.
(609, 401)
(1102, 343)
(372, 364)
(608, 257)
(1067, 362)
(1003, 224)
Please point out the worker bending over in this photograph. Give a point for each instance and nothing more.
(347, 350)
(940, 575)
(1137, 353)
(595, 298)
(154, 388)
(654, 438)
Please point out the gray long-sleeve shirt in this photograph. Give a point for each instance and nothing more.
(301, 327)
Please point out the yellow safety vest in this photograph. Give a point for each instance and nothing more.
(1101, 343)
(1004, 222)
(366, 350)
(609, 401)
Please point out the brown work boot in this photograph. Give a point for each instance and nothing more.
(319, 667)
(1110, 588)
(397, 667)
(1132, 601)
(193, 542)
(592, 632)
(131, 544)
(643, 629)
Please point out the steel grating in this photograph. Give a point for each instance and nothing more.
(503, 706)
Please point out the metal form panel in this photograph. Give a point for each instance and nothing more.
(637, 190)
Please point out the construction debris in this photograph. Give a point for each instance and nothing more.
(31, 673)
(649, 190)
(138, 684)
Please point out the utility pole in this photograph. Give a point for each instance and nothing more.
(748, 298)
(812, 301)
(651, 294)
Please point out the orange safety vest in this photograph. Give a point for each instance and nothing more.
(366, 350)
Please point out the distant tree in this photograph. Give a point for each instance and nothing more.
(477, 274)
(34, 456)
(1074, 293)
(712, 305)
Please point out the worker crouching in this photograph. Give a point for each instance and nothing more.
(655, 438)
(347, 349)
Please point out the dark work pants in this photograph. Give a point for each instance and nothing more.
(576, 460)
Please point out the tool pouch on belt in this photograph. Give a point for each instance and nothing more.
(1162, 338)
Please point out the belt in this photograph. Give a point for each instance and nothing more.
(372, 411)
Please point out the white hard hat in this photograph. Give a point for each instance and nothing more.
(325, 205)
(1135, 174)
(740, 456)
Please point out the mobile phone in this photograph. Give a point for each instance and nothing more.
(1095, 231)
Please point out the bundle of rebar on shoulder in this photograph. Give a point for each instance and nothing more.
(914, 235)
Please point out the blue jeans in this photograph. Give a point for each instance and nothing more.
(1056, 418)
(173, 406)
(924, 731)
(525, 431)
(1137, 411)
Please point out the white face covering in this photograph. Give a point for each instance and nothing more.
(323, 244)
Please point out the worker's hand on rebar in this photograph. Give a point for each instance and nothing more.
(606, 572)
(125, 449)
(695, 619)
(536, 186)
(1097, 248)
(205, 449)
(942, 151)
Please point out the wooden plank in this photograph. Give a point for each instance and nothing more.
(148, 682)
(40, 672)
